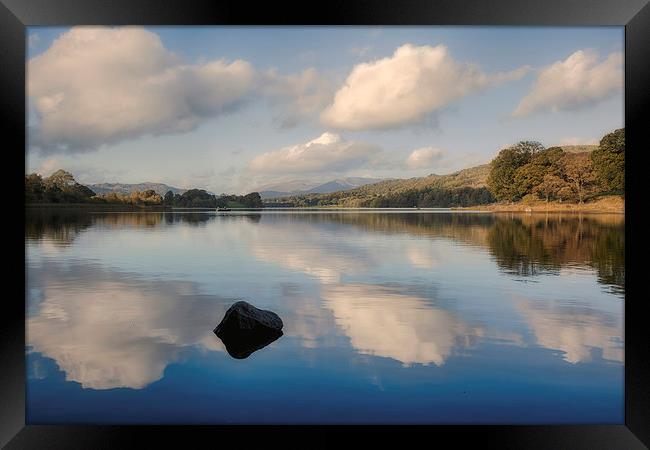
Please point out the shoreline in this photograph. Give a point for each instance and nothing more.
(613, 204)
(602, 205)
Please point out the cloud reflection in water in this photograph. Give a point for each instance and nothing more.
(575, 331)
(117, 330)
(383, 322)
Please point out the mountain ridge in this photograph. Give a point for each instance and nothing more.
(340, 184)
(127, 188)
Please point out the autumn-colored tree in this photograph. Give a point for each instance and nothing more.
(550, 187)
(609, 161)
(150, 197)
(578, 172)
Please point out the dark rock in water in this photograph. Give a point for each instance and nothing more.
(244, 316)
(245, 329)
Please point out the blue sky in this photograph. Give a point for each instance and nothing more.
(232, 109)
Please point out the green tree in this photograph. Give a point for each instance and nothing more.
(542, 163)
(252, 200)
(61, 187)
(501, 179)
(169, 198)
(197, 198)
(609, 161)
(34, 188)
(61, 179)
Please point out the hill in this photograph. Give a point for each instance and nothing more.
(578, 148)
(300, 187)
(122, 188)
(465, 187)
(474, 177)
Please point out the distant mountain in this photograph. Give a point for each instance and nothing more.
(288, 186)
(301, 187)
(462, 188)
(160, 188)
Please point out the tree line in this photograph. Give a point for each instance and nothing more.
(198, 198)
(61, 187)
(528, 170)
(430, 197)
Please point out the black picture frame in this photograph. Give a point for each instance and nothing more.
(634, 15)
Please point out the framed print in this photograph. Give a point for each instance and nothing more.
(365, 217)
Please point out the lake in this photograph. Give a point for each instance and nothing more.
(389, 317)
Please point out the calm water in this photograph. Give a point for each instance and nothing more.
(388, 317)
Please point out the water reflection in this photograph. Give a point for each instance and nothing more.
(383, 322)
(530, 245)
(58, 226)
(523, 245)
(311, 325)
(313, 247)
(115, 299)
(421, 258)
(108, 329)
(576, 330)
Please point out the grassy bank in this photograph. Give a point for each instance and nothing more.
(606, 204)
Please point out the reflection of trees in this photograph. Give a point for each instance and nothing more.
(608, 257)
(522, 244)
(253, 218)
(127, 220)
(467, 228)
(518, 250)
(58, 226)
(62, 225)
(528, 245)
(190, 218)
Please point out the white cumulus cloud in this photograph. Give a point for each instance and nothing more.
(425, 157)
(405, 87)
(101, 85)
(327, 152)
(574, 83)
